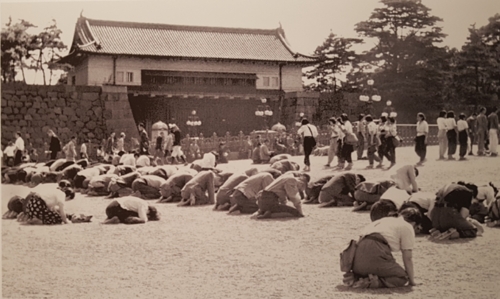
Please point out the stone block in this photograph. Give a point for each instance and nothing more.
(108, 114)
(90, 113)
(97, 111)
(6, 96)
(23, 98)
(80, 124)
(4, 102)
(8, 91)
(15, 110)
(85, 119)
(44, 105)
(23, 110)
(11, 103)
(73, 118)
(51, 105)
(90, 96)
(23, 123)
(52, 94)
(51, 115)
(91, 125)
(15, 98)
(61, 102)
(57, 110)
(28, 104)
(68, 111)
(63, 117)
(28, 117)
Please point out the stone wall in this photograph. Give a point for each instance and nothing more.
(82, 111)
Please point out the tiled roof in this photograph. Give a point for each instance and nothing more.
(142, 39)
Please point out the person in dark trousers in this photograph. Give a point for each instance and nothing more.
(361, 133)
(463, 129)
(144, 146)
(19, 144)
(309, 133)
(451, 134)
(421, 139)
(55, 145)
(493, 131)
(481, 131)
(176, 149)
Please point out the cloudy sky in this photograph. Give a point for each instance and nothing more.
(306, 23)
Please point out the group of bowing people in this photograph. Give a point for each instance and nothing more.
(263, 193)
(398, 211)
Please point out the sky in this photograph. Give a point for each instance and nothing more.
(306, 23)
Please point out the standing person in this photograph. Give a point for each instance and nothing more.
(481, 131)
(110, 145)
(421, 139)
(70, 149)
(451, 134)
(348, 143)
(334, 136)
(382, 148)
(309, 133)
(55, 145)
(19, 144)
(83, 151)
(463, 129)
(372, 141)
(443, 140)
(472, 123)
(493, 124)
(159, 145)
(176, 150)
(361, 134)
(144, 145)
(390, 136)
(120, 144)
(169, 141)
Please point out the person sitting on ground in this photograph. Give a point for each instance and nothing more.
(171, 190)
(85, 174)
(406, 185)
(369, 192)
(147, 186)
(256, 154)
(265, 153)
(130, 210)
(223, 202)
(374, 265)
(314, 188)
(244, 196)
(450, 215)
(195, 191)
(45, 205)
(339, 190)
(272, 200)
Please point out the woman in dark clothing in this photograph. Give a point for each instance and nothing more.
(451, 134)
(309, 132)
(55, 145)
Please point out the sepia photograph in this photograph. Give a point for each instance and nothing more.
(250, 149)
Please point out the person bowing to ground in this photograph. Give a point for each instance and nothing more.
(130, 210)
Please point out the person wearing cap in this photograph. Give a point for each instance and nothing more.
(45, 204)
(176, 149)
(120, 144)
(130, 210)
(309, 133)
(339, 190)
(148, 186)
(223, 202)
(144, 144)
(273, 199)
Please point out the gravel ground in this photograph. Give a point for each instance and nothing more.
(194, 252)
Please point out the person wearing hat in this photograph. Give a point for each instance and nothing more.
(144, 145)
(223, 202)
(130, 210)
(273, 199)
(309, 133)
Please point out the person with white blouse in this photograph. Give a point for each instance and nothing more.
(451, 134)
(309, 133)
(334, 136)
(45, 204)
(463, 135)
(443, 140)
(390, 136)
(348, 143)
(421, 139)
(19, 149)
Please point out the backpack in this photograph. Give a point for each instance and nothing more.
(347, 256)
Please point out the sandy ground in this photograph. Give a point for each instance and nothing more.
(194, 252)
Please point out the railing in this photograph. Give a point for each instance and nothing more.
(239, 144)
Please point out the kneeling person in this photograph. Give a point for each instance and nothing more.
(130, 210)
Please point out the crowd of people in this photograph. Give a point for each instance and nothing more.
(398, 207)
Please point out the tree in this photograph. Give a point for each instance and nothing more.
(16, 45)
(335, 56)
(47, 49)
(405, 55)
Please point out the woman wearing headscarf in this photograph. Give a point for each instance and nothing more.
(309, 133)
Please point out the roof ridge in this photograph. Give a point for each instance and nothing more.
(182, 27)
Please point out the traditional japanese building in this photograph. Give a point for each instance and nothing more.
(170, 70)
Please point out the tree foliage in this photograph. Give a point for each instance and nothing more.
(16, 45)
(335, 56)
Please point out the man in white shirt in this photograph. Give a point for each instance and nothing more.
(309, 133)
(421, 139)
(19, 149)
(10, 153)
(130, 210)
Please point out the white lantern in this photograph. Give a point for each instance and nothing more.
(188, 123)
(376, 98)
(263, 100)
(193, 112)
(363, 98)
(393, 114)
(297, 124)
(389, 103)
(256, 113)
(370, 82)
(199, 123)
(270, 113)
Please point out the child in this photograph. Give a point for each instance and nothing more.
(10, 152)
(463, 135)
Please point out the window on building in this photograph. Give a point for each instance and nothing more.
(130, 77)
(275, 82)
(119, 76)
(266, 81)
